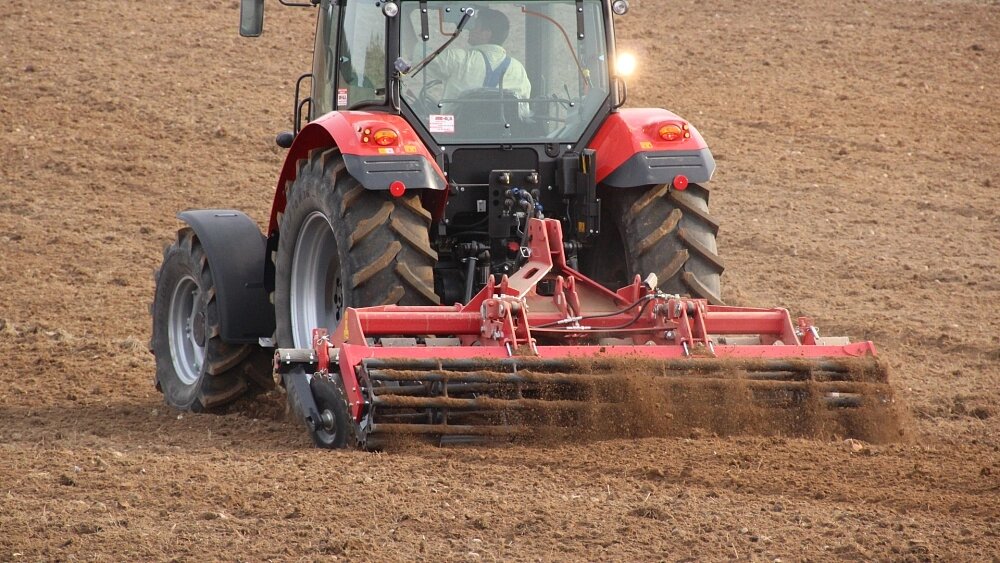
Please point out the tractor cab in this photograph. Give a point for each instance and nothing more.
(506, 71)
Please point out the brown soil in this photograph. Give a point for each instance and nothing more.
(859, 163)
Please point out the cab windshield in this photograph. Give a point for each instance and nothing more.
(504, 72)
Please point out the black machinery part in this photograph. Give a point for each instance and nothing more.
(236, 250)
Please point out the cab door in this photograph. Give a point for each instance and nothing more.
(324, 71)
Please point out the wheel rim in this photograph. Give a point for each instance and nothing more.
(316, 289)
(186, 331)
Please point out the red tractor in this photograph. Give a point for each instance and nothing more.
(471, 229)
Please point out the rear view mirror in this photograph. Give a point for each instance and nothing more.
(251, 18)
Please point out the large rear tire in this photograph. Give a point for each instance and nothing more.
(342, 246)
(195, 369)
(662, 231)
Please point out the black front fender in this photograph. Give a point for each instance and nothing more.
(236, 254)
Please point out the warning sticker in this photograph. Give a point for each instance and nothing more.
(410, 148)
(442, 123)
(342, 97)
(386, 150)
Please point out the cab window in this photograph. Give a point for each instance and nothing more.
(362, 55)
(324, 56)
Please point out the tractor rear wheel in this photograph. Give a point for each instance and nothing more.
(195, 369)
(659, 230)
(342, 246)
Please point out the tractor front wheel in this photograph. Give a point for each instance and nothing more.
(195, 369)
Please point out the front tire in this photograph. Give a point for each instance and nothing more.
(195, 369)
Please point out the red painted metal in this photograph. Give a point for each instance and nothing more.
(352, 354)
(321, 341)
(509, 318)
(634, 130)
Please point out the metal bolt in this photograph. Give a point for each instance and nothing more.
(327, 417)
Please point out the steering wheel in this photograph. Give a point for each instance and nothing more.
(422, 102)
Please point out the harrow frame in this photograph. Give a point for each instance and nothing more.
(534, 329)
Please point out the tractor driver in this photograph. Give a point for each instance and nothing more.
(486, 64)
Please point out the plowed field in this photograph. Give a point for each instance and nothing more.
(858, 145)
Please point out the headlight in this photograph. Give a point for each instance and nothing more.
(625, 64)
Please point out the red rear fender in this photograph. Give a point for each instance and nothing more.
(632, 152)
(402, 156)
